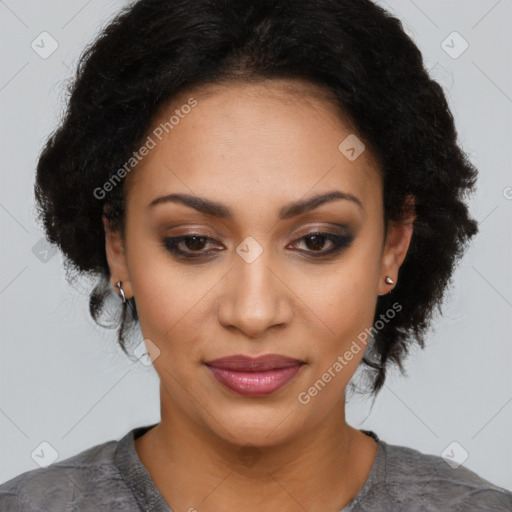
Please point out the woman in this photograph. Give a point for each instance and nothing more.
(273, 189)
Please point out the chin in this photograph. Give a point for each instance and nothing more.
(256, 427)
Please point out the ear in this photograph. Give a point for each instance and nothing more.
(397, 243)
(116, 257)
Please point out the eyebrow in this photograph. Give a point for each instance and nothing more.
(288, 211)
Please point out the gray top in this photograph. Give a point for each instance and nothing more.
(110, 477)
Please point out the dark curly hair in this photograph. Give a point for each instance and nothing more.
(355, 50)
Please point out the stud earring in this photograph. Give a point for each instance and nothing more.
(121, 291)
(389, 280)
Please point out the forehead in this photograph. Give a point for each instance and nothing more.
(266, 141)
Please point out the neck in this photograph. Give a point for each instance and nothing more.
(194, 467)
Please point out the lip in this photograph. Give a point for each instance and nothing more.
(242, 363)
(258, 376)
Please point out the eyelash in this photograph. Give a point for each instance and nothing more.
(339, 242)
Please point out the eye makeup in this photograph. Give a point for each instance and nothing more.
(193, 246)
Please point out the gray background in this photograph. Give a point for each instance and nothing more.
(63, 379)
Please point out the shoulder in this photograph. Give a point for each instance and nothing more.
(85, 481)
(428, 480)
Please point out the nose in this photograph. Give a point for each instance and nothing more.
(255, 297)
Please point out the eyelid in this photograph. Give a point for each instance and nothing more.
(212, 236)
(340, 241)
(335, 229)
(211, 233)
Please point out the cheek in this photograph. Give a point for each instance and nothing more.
(166, 292)
(170, 310)
(349, 316)
(347, 307)
(345, 295)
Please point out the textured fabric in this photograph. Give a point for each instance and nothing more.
(110, 477)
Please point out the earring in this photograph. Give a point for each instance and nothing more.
(389, 280)
(121, 291)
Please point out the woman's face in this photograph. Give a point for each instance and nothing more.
(254, 282)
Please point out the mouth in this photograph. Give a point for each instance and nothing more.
(259, 376)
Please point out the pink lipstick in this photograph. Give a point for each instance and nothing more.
(255, 376)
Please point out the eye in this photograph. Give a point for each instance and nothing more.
(187, 246)
(316, 240)
(191, 246)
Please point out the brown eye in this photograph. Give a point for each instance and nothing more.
(191, 246)
(316, 241)
(187, 246)
(195, 243)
